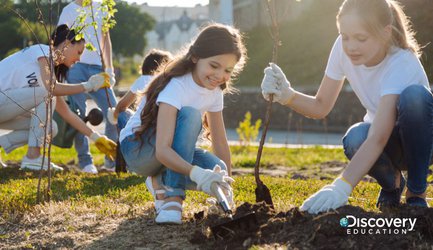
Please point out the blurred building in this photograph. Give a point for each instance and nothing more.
(248, 14)
(175, 26)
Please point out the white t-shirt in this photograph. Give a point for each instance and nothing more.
(140, 83)
(22, 69)
(400, 69)
(180, 92)
(69, 17)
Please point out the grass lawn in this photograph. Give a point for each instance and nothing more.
(18, 188)
(110, 211)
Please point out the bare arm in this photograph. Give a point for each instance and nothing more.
(166, 124)
(59, 89)
(71, 118)
(124, 103)
(318, 106)
(107, 50)
(373, 146)
(220, 145)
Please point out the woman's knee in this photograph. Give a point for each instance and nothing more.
(354, 138)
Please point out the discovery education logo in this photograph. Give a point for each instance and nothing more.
(386, 226)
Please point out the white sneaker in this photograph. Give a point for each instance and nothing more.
(169, 216)
(157, 203)
(2, 164)
(90, 169)
(35, 164)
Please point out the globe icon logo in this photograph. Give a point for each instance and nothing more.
(344, 222)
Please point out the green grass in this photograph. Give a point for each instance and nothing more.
(18, 188)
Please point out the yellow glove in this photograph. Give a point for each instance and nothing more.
(104, 145)
(97, 81)
(107, 80)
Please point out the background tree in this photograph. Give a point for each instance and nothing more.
(128, 36)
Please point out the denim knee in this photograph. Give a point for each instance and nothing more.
(415, 104)
(354, 138)
(191, 117)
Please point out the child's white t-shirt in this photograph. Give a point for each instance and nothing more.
(69, 17)
(180, 92)
(400, 69)
(22, 69)
(140, 83)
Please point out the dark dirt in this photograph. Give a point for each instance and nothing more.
(295, 229)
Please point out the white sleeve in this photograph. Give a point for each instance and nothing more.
(218, 104)
(334, 67)
(400, 75)
(171, 94)
(39, 51)
(140, 84)
(65, 18)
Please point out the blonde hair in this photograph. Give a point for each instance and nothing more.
(377, 14)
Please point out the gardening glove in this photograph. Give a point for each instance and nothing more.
(111, 75)
(275, 83)
(96, 82)
(226, 186)
(112, 116)
(205, 177)
(329, 197)
(104, 145)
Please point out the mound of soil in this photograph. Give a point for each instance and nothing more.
(296, 229)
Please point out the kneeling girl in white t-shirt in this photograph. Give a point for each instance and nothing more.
(160, 139)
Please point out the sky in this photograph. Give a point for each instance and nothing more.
(180, 3)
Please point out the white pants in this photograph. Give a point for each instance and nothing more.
(23, 111)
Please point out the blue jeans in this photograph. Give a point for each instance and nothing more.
(81, 72)
(140, 155)
(409, 146)
(123, 118)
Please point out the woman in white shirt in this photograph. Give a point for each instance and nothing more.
(26, 77)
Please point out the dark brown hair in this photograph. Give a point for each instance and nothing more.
(61, 34)
(213, 40)
(153, 60)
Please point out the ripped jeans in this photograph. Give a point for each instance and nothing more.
(409, 146)
(140, 155)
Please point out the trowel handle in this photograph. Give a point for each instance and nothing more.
(221, 197)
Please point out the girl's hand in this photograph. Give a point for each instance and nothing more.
(329, 197)
(205, 177)
(112, 116)
(275, 83)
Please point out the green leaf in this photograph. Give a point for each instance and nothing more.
(90, 47)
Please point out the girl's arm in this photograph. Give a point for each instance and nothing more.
(275, 83)
(166, 124)
(220, 145)
(378, 136)
(124, 103)
(60, 89)
(318, 106)
(71, 118)
(336, 194)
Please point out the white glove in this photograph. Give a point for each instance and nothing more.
(94, 83)
(111, 116)
(205, 177)
(329, 197)
(226, 185)
(110, 72)
(275, 83)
